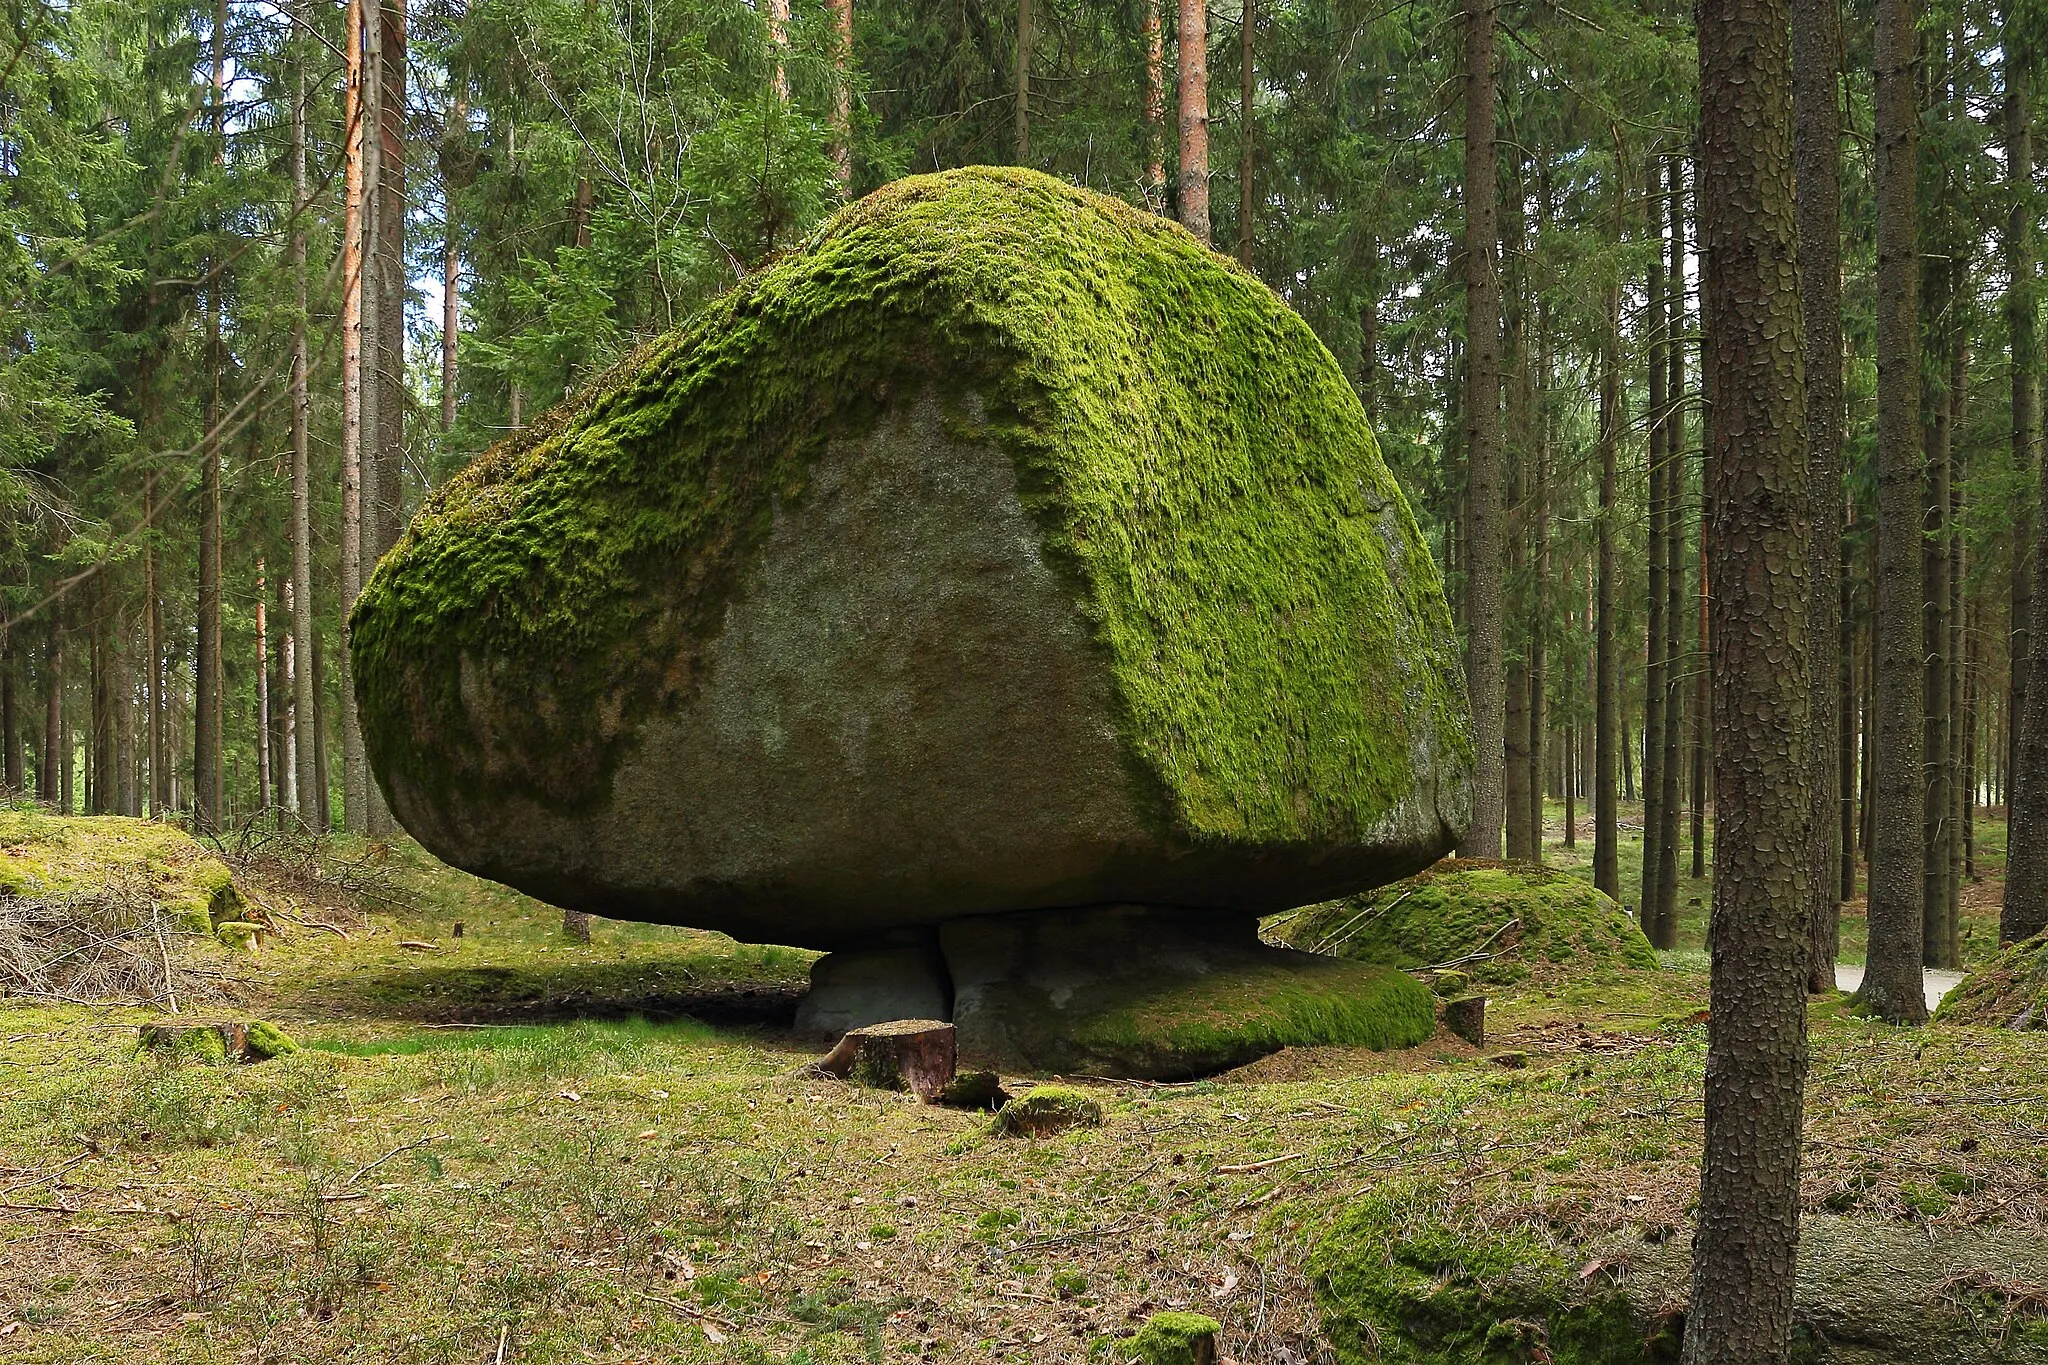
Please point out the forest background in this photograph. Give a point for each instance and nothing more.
(230, 368)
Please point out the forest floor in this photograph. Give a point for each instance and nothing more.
(508, 1146)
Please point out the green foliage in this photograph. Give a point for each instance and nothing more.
(1252, 571)
(1459, 908)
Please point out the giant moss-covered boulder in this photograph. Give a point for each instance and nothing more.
(1002, 548)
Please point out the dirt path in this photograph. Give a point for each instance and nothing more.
(1939, 981)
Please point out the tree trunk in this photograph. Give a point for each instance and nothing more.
(263, 754)
(1938, 336)
(842, 93)
(305, 702)
(1606, 684)
(778, 47)
(1516, 776)
(1952, 681)
(1816, 81)
(1748, 1223)
(1539, 590)
(358, 396)
(1247, 91)
(451, 269)
(1193, 43)
(1483, 672)
(1674, 560)
(1657, 661)
(1892, 986)
(206, 721)
(2025, 911)
(1022, 113)
(10, 716)
(1155, 108)
(49, 786)
(1846, 729)
(918, 1055)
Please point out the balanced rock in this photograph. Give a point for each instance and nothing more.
(1003, 548)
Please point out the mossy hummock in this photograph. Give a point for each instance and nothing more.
(1496, 920)
(2010, 991)
(1002, 548)
(62, 855)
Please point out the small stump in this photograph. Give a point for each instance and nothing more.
(213, 1042)
(1176, 1339)
(576, 924)
(1466, 1017)
(918, 1055)
(1047, 1109)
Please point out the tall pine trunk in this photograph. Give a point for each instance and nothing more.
(1021, 127)
(1892, 981)
(206, 720)
(1517, 777)
(1674, 559)
(1483, 672)
(2025, 911)
(1247, 91)
(1606, 680)
(842, 94)
(1816, 95)
(305, 704)
(1748, 1222)
(358, 335)
(1938, 336)
(1656, 656)
(1155, 107)
(1193, 44)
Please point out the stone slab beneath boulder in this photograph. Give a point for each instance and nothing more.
(899, 976)
(1159, 994)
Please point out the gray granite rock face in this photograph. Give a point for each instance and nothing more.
(903, 721)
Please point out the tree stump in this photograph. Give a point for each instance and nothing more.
(1466, 1017)
(210, 1041)
(918, 1055)
(576, 924)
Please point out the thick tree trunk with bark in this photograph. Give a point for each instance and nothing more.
(358, 151)
(1741, 1303)
(1517, 777)
(2025, 911)
(1193, 45)
(1938, 337)
(1483, 662)
(1817, 101)
(1892, 981)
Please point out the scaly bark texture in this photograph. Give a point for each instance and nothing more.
(1247, 91)
(1891, 981)
(1741, 1303)
(1155, 107)
(1193, 43)
(358, 150)
(2026, 874)
(1817, 104)
(1483, 513)
(206, 663)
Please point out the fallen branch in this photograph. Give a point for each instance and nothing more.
(1250, 1166)
(395, 1151)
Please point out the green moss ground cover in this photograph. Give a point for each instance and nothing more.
(2010, 991)
(1524, 916)
(56, 855)
(667, 1188)
(1196, 460)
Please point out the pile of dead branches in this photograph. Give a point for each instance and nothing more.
(278, 851)
(112, 944)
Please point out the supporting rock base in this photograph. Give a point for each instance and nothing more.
(1137, 991)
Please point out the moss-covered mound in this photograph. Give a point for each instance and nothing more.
(1523, 915)
(1003, 547)
(2010, 991)
(1402, 1283)
(1404, 1278)
(56, 855)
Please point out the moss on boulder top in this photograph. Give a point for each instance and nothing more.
(1527, 914)
(2010, 991)
(1003, 547)
(60, 855)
